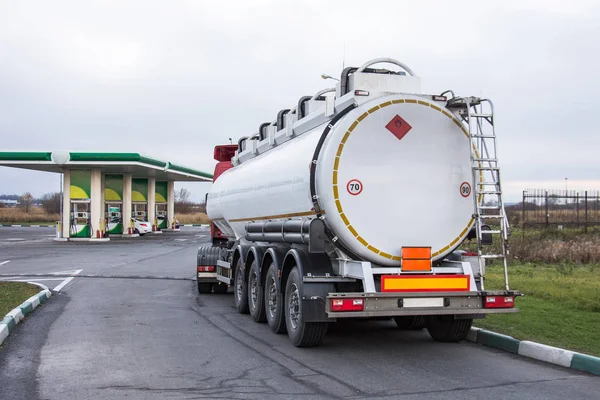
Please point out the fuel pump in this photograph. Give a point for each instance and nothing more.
(80, 220)
(114, 218)
(161, 216)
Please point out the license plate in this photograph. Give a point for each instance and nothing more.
(423, 302)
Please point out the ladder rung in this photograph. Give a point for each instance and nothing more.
(492, 256)
(489, 207)
(484, 136)
(480, 115)
(482, 183)
(489, 192)
(486, 232)
(487, 168)
(486, 159)
(491, 216)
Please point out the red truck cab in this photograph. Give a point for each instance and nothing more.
(223, 154)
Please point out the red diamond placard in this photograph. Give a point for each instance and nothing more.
(398, 127)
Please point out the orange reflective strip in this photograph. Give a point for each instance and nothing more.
(416, 265)
(422, 253)
(425, 283)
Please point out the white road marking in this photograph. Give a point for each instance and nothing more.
(66, 281)
(180, 240)
(13, 239)
(4, 262)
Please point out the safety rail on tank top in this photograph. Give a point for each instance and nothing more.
(478, 116)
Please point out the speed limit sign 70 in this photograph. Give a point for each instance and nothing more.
(354, 187)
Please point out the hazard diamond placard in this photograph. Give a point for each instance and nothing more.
(398, 126)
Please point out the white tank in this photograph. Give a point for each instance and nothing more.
(393, 172)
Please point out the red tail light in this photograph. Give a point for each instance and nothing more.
(347, 305)
(498, 302)
(206, 268)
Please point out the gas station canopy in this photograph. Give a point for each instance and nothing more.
(110, 163)
(110, 193)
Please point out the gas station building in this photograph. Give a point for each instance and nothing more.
(110, 192)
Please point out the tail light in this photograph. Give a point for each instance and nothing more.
(347, 305)
(206, 268)
(498, 302)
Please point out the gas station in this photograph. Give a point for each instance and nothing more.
(106, 194)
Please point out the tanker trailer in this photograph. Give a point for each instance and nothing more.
(352, 204)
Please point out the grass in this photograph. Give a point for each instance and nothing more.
(12, 294)
(35, 216)
(192, 218)
(561, 306)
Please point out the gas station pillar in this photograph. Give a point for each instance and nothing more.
(96, 205)
(126, 201)
(151, 200)
(170, 203)
(66, 203)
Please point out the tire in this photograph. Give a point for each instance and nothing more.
(256, 295)
(273, 302)
(444, 328)
(136, 231)
(414, 323)
(220, 288)
(302, 334)
(204, 288)
(240, 289)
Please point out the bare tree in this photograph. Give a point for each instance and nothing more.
(183, 204)
(26, 201)
(51, 202)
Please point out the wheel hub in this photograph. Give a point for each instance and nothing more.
(294, 306)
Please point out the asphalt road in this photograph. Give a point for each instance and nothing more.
(113, 338)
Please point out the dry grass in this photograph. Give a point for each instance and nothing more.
(35, 214)
(192, 218)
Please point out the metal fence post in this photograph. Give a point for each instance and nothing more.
(586, 211)
(523, 212)
(547, 215)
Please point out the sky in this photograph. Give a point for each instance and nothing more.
(172, 79)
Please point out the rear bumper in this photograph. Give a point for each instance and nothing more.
(464, 304)
(209, 277)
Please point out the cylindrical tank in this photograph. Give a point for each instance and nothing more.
(393, 172)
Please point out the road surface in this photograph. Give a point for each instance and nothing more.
(112, 338)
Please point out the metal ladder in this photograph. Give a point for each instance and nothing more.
(478, 116)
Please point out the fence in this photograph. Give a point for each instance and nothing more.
(559, 208)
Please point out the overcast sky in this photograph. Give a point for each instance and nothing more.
(172, 79)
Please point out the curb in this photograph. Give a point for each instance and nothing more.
(28, 226)
(18, 314)
(538, 351)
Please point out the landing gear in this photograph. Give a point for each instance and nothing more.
(302, 334)
(240, 292)
(412, 323)
(444, 328)
(256, 297)
(273, 302)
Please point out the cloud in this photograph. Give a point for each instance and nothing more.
(173, 79)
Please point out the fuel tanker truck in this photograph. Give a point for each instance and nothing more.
(352, 204)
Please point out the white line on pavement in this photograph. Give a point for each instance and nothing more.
(180, 240)
(62, 285)
(4, 262)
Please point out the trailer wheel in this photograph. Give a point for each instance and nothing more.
(302, 334)
(256, 296)
(220, 288)
(273, 302)
(415, 322)
(204, 288)
(444, 328)
(240, 290)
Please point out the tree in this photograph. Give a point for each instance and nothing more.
(51, 203)
(183, 204)
(26, 201)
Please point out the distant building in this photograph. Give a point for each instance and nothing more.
(9, 203)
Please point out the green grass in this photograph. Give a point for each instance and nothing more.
(561, 306)
(12, 294)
